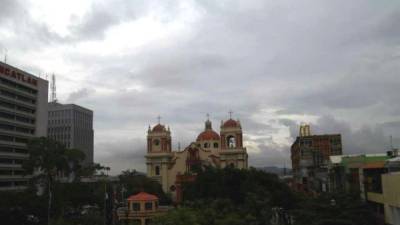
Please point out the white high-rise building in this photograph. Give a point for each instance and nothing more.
(23, 115)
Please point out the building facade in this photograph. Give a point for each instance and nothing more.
(310, 158)
(141, 209)
(72, 125)
(23, 115)
(210, 148)
(375, 176)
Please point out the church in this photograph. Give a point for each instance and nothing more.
(169, 166)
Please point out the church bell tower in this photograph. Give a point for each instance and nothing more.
(232, 151)
(158, 157)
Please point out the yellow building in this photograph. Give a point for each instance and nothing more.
(389, 199)
(210, 148)
(142, 207)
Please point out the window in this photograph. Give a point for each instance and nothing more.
(156, 142)
(231, 141)
(215, 145)
(157, 170)
(148, 205)
(206, 145)
(136, 206)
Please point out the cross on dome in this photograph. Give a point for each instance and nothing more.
(159, 119)
(230, 114)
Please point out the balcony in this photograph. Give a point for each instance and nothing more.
(13, 155)
(13, 188)
(375, 197)
(12, 166)
(14, 177)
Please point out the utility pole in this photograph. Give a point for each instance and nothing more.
(105, 202)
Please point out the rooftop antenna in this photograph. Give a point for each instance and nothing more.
(53, 89)
(5, 55)
(208, 116)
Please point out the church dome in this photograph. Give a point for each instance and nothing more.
(158, 128)
(208, 135)
(230, 123)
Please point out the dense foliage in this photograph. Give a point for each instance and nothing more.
(230, 196)
(333, 209)
(239, 186)
(252, 197)
(133, 182)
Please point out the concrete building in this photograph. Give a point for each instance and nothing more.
(375, 176)
(72, 125)
(310, 158)
(210, 148)
(23, 115)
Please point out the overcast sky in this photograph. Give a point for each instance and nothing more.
(276, 64)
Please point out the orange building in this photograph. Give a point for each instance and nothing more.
(141, 208)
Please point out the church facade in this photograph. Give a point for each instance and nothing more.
(210, 149)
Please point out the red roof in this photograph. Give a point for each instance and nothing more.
(142, 196)
(159, 128)
(230, 123)
(208, 135)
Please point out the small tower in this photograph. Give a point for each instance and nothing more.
(232, 151)
(158, 139)
(159, 154)
(305, 130)
(231, 134)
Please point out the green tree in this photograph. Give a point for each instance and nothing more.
(48, 159)
(180, 216)
(133, 182)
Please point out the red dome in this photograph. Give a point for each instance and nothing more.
(230, 123)
(159, 128)
(142, 196)
(208, 135)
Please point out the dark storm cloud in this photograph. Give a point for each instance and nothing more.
(82, 93)
(337, 58)
(104, 15)
(10, 9)
(122, 154)
(372, 138)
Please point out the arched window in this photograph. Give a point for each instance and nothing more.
(215, 145)
(157, 170)
(206, 145)
(231, 142)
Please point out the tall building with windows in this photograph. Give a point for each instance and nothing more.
(310, 155)
(72, 125)
(169, 166)
(23, 115)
